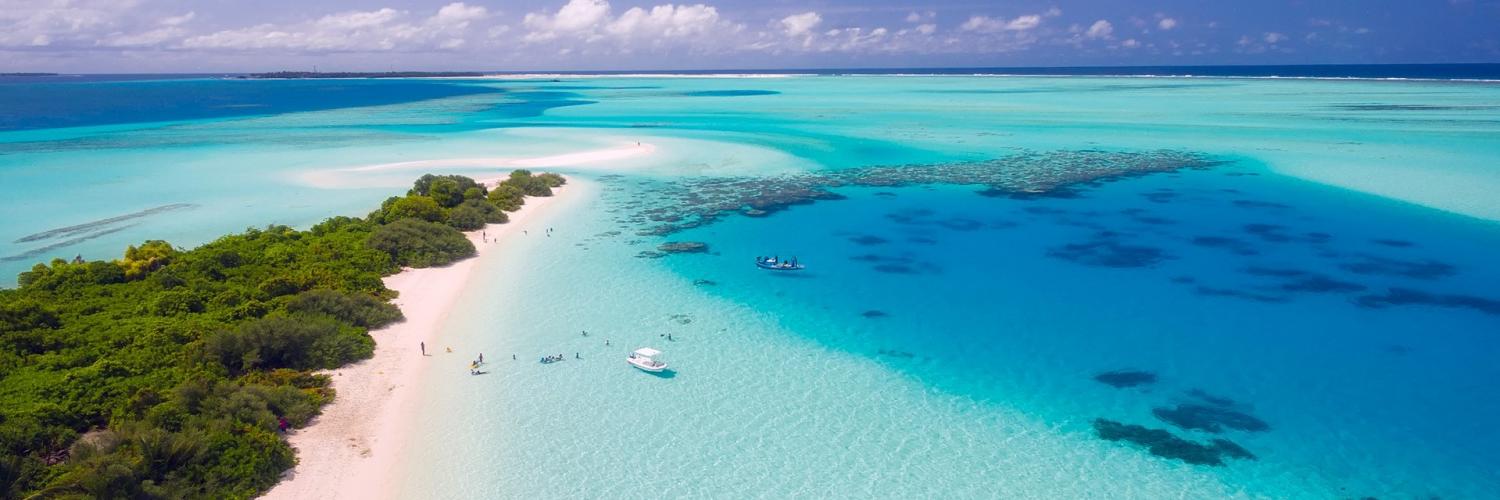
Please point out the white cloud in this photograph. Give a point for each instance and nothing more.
(1166, 23)
(801, 24)
(153, 38)
(665, 21)
(917, 17)
(1273, 37)
(1100, 29)
(577, 16)
(1130, 43)
(926, 29)
(178, 20)
(1024, 23)
(987, 24)
(38, 23)
(458, 15)
(354, 31)
(697, 27)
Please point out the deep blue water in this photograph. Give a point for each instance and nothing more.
(1360, 331)
(25, 105)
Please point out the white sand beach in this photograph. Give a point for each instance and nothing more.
(349, 450)
(360, 176)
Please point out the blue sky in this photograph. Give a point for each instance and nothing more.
(360, 35)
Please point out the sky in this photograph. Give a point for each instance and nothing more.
(208, 36)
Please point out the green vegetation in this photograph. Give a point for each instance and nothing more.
(511, 193)
(417, 243)
(461, 203)
(167, 373)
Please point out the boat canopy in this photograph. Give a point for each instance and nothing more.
(647, 352)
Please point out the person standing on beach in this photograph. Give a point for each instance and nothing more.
(423, 346)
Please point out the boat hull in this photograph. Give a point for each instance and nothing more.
(645, 367)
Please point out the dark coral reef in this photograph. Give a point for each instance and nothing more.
(684, 204)
(1163, 443)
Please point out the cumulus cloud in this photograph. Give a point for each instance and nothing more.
(801, 24)
(665, 21)
(585, 32)
(354, 31)
(918, 17)
(577, 16)
(1100, 29)
(178, 20)
(987, 24)
(40, 23)
(459, 15)
(590, 21)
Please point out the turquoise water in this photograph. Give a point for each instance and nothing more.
(1333, 278)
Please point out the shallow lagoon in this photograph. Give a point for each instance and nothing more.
(976, 373)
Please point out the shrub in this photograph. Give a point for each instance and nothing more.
(416, 243)
(466, 217)
(150, 256)
(474, 214)
(353, 308)
(26, 314)
(443, 186)
(414, 207)
(507, 197)
(300, 342)
(528, 184)
(552, 180)
(176, 303)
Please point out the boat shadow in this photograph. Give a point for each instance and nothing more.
(667, 373)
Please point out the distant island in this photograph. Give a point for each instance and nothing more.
(29, 74)
(385, 74)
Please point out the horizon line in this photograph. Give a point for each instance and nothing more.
(770, 69)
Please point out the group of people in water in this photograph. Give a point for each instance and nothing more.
(776, 262)
(547, 360)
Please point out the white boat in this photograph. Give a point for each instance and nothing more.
(645, 359)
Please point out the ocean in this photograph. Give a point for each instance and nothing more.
(1289, 292)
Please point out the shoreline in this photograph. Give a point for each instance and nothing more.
(348, 450)
(338, 178)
